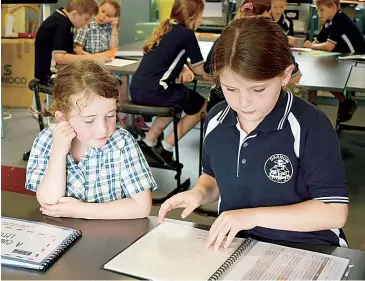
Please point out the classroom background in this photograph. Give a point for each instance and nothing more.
(138, 19)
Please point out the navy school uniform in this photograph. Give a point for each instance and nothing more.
(153, 84)
(286, 24)
(291, 157)
(55, 35)
(344, 33)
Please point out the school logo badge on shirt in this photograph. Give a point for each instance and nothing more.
(278, 168)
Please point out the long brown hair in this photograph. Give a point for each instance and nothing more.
(116, 4)
(253, 8)
(183, 12)
(87, 77)
(89, 7)
(253, 47)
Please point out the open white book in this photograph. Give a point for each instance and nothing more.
(177, 252)
(120, 62)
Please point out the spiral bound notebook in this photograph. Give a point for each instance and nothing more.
(174, 251)
(33, 245)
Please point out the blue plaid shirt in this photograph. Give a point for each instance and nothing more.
(114, 171)
(94, 37)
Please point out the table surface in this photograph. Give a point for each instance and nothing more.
(103, 239)
(323, 73)
(319, 73)
(356, 81)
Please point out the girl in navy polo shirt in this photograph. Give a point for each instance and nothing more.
(271, 159)
(248, 8)
(164, 61)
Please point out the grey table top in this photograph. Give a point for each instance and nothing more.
(126, 70)
(100, 241)
(319, 73)
(356, 81)
(103, 239)
(323, 73)
(132, 68)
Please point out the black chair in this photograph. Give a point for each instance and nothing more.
(346, 127)
(35, 86)
(130, 108)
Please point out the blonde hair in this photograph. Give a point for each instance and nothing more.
(116, 4)
(89, 7)
(183, 12)
(87, 77)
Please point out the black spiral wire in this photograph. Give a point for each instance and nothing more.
(231, 260)
(62, 248)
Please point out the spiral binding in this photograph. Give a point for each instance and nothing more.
(232, 259)
(60, 250)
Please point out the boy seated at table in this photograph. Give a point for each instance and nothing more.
(286, 23)
(338, 34)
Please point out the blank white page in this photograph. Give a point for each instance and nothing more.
(205, 47)
(120, 62)
(172, 252)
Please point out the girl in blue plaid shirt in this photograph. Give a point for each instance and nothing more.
(101, 34)
(84, 167)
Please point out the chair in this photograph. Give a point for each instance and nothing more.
(130, 108)
(360, 18)
(35, 86)
(312, 23)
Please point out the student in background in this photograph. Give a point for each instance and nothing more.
(54, 40)
(271, 159)
(84, 167)
(164, 61)
(338, 34)
(248, 8)
(100, 35)
(277, 12)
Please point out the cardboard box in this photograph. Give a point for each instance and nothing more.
(17, 69)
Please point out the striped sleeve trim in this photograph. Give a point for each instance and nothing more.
(334, 42)
(59, 51)
(197, 63)
(333, 199)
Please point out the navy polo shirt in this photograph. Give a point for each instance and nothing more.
(55, 35)
(286, 24)
(344, 33)
(291, 157)
(160, 67)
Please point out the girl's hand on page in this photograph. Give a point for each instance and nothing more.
(63, 134)
(188, 200)
(230, 222)
(102, 57)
